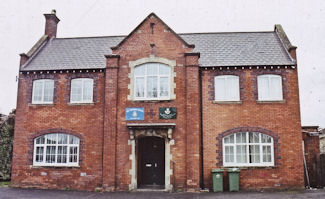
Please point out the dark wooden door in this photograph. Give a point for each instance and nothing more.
(151, 161)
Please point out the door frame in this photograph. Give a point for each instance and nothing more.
(165, 133)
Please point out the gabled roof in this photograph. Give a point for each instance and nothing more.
(216, 49)
(161, 21)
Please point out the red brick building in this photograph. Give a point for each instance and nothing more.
(157, 109)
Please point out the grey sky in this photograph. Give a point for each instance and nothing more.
(22, 24)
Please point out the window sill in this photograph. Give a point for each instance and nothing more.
(152, 101)
(270, 101)
(49, 104)
(250, 167)
(227, 102)
(52, 166)
(80, 103)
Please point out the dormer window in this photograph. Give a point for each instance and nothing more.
(152, 82)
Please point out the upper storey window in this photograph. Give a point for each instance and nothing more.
(269, 87)
(82, 90)
(43, 91)
(226, 88)
(152, 82)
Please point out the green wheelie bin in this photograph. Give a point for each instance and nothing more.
(233, 174)
(217, 180)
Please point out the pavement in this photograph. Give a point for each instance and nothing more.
(17, 193)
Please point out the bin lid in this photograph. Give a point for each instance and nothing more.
(233, 170)
(216, 170)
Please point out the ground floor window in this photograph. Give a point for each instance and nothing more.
(248, 149)
(56, 149)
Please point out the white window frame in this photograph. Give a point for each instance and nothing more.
(145, 76)
(43, 81)
(68, 145)
(83, 80)
(247, 144)
(269, 95)
(228, 85)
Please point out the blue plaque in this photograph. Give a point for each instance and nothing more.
(134, 114)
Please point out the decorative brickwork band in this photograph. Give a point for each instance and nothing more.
(275, 137)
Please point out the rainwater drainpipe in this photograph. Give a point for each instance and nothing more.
(201, 132)
(305, 165)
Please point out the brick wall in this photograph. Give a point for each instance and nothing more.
(83, 121)
(281, 120)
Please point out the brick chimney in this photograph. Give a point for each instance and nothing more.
(51, 24)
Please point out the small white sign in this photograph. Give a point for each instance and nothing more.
(83, 174)
(43, 173)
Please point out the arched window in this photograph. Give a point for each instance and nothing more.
(248, 149)
(152, 82)
(56, 149)
(43, 91)
(81, 90)
(269, 87)
(226, 88)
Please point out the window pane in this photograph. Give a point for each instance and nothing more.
(229, 153)
(48, 90)
(88, 90)
(76, 89)
(40, 140)
(73, 154)
(254, 154)
(152, 87)
(62, 154)
(139, 87)
(73, 139)
(240, 137)
(267, 154)
(241, 154)
(266, 138)
(275, 87)
(51, 139)
(50, 154)
(254, 137)
(37, 90)
(62, 138)
(39, 154)
(263, 87)
(232, 88)
(164, 70)
(140, 70)
(220, 88)
(152, 69)
(229, 139)
(164, 86)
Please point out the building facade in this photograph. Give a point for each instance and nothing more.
(159, 110)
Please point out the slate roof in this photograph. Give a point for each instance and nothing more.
(216, 49)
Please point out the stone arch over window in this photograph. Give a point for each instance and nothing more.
(261, 133)
(151, 60)
(77, 140)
